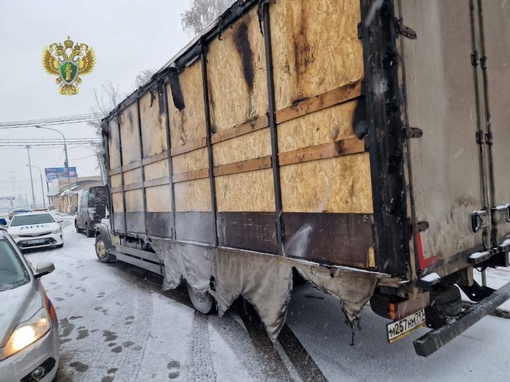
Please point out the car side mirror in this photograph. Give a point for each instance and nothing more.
(59, 220)
(3, 221)
(42, 269)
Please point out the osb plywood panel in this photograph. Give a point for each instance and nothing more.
(134, 201)
(116, 180)
(249, 146)
(336, 185)
(130, 136)
(133, 176)
(315, 47)
(118, 206)
(249, 191)
(156, 170)
(193, 196)
(153, 125)
(114, 145)
(317, 128)
(237, 74)
(189, 123)
(159, 199)
(194, 160)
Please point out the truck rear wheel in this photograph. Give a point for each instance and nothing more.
(202, 301)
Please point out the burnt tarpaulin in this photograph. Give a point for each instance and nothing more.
(191, 262)
(353, 287)
(262, 279)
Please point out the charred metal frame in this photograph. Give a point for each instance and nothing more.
(273, 128)
(209, 132)
(392, 229)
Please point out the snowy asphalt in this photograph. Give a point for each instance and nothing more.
(116, 325)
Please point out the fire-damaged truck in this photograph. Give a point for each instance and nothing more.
(362, 144)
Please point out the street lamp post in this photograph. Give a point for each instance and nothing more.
(42, 187)
(66, 163)
(31, 179)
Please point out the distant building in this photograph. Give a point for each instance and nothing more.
(64, 196)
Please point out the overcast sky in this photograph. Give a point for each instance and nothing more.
(127, 36)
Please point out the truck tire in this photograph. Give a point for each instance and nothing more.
(102, 252)
(444, 302)
(202, 301)
(379, 303)
(79, 230)
(90, 232)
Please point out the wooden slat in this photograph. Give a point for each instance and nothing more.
(116, 190)
(132, 166)
(157, 182)
(242, 129)
(191, 175)
(155, 158)
(322, 101)
(346, 146)
(115, 171)
(190, 146)
(133, 186)
(244, 166)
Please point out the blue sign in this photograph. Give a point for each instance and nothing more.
(59, 173)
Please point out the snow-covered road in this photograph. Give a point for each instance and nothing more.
(115, 325)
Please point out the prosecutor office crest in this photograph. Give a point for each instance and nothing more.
(68, 62)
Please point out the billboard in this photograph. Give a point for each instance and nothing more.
(59, 173)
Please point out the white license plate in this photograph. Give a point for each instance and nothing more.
(398, 329)
(37, 241)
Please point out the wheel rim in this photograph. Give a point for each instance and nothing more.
(202, 301)
(101, 249)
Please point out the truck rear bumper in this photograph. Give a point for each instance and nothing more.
(435, 339)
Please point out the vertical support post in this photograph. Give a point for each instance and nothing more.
(144, 195)
(273, 129)
(122, 176)
(205, 87)
(488, 125)
(169, 153)
(106, 135)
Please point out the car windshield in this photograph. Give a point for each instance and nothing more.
(12, 271)
(20, 220)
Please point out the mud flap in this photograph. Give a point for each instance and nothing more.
(435, 339)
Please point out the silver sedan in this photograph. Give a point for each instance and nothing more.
(29, 338)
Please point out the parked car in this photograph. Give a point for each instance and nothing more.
(29, 338)
(90, 209)
(15, 211)
(36, 230)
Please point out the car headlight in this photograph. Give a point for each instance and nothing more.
(55, 231)
(28, 332)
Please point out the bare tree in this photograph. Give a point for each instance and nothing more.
(202, 13)
(143, 77)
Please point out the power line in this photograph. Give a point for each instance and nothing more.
(49, 121)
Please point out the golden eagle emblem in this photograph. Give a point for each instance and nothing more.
(68, 62)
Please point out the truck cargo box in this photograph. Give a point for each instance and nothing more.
(362, 143)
